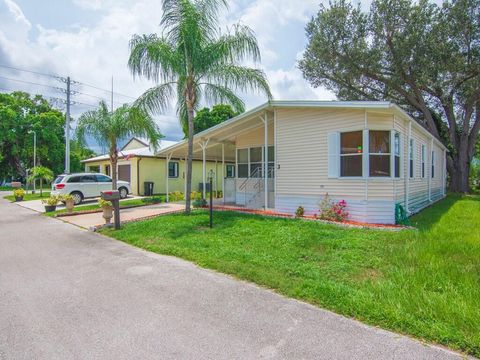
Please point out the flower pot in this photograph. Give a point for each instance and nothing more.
(69, 205)
(107, 214)
(18, 198)
(50, 208)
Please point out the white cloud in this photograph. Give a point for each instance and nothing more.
(95, 53)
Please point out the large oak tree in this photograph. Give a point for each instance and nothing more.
(420, 55)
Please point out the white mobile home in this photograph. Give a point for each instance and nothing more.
(288, 154)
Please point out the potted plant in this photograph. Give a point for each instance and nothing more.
(107, 208)
(69, 203)
(19, 194)
(50, 203)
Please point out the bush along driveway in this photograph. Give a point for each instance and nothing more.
(422, 282)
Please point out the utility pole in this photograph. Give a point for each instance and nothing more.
(111, 100)
(67, 130)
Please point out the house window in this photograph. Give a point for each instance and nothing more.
(107, 170)
(396, 154)
(411, 151)
(351, 150)
(242, 163)
(433, 164)
(256, 159)
(230, 171)
(424, 152)
(379, 153)
(173, 169)
(94, 168)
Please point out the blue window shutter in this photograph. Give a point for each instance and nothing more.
(333, 155)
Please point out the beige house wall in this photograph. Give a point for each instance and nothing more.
(154, 169)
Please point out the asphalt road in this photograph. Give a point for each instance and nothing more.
(66, 293)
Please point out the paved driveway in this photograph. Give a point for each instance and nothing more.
(66, 293)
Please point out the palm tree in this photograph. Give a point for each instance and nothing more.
(43, 173)
(193, 61)
(110, 127)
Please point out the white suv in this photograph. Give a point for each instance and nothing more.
(87, 185)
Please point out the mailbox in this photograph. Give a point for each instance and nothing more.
(110, 195)
(114, 197)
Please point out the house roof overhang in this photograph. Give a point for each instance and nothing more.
(226, 132)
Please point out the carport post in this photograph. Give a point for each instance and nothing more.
(203, 145)
(167, 161)
(223, 173)
(265, 160)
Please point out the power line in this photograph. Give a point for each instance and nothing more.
(31, 71)
(109, 91)
(31, 83)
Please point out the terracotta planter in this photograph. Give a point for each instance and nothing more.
(50, 208)
(18, 198)
(69, 205)
(107, 214)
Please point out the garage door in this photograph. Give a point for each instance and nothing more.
(124, 172)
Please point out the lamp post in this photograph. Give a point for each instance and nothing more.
(34, 156)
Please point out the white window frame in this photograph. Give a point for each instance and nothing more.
(432, 170)
(242, 163)
(175, 169)
(360, 155)
(391, 171)
(394, 155)
(411, 158)
(423, 161)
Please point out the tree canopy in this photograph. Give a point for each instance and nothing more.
(193, 62)
(420, 55)
(206, 118)
(108, 128)
(22, 113)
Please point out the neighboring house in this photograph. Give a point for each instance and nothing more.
(138, 164)
(371, 154)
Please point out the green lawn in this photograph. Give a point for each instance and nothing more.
(30, 196)
(423, 283)
(94, 206)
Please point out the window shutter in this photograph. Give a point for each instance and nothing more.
(333, 155)
(365, 154)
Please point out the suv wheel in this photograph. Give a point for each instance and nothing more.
(77, 197)
(123, 192)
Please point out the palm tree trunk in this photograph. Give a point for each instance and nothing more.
(41, 187)
(114, 160)
(189, 158)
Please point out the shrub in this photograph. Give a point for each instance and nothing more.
(104, 203)
(300, 211)
(176, 196)
(19, 193)
(66, 197)
(152, 200)
(199, 202)
(333, 211)
(51, 201)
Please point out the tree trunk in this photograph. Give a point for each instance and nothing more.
(114, 160)
(189, 158)
(459, 170)
(41, 187)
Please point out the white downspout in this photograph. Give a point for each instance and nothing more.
(407, 178)
(444, 172)
(429, 167)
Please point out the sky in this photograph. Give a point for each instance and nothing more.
(88, 41)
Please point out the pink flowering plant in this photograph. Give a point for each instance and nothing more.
(333, 211)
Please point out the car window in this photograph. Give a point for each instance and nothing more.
(74, 179)
(103, 179)
(88, 179)
(58, 179)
